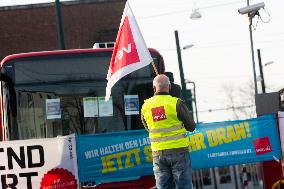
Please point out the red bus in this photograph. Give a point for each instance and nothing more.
(29, 80)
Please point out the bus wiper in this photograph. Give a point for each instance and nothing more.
(12, 92)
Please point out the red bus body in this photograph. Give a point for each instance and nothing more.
(38, 76)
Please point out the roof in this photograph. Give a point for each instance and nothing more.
(51, 4)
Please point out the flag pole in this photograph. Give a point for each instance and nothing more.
(155, 68)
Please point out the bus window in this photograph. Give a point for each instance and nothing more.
(52, 91)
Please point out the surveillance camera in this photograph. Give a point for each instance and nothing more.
(251, 9)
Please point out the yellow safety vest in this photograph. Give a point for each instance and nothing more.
(165, 130)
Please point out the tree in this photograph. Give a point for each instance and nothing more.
(240, 100)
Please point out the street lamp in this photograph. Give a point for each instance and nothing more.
(187, 46)
(268, 63)
(194, 98)
(195, 15)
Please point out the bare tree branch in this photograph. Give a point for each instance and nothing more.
(241, 100)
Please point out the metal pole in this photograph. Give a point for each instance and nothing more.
(195, 103)
(60, 32)
(252, 55)
(214, 178)
(261, 71)
(235, 176)
(196, 113)
(252, 52)
(183, 86)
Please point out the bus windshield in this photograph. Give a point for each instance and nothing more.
(60, 94)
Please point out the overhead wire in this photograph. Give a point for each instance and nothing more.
(186, 10)
(210, 45)
(227, 108)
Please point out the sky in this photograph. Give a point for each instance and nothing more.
(221, 55)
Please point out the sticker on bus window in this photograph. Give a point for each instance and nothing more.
(90, 107)
(53, 110)
(131, 104)
(105, 107)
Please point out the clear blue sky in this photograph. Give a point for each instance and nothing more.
(221, 54)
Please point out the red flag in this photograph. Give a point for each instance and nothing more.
(130, 51)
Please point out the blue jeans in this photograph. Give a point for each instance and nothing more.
(173, 171)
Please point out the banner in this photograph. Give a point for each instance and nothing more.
(39, 163)
(235, 142)
(127, 155)
(114, 156)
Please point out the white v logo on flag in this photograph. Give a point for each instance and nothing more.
(127, 50)
(120, 53)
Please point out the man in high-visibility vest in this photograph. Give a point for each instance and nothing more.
(167, 118)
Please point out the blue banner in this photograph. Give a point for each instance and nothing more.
(127, 155)
(114, 156)
(235, 142)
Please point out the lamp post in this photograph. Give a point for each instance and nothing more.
(261, 70)
(183, 86)
(194, 96)
(181, 73)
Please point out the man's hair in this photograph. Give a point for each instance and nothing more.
(161, 83)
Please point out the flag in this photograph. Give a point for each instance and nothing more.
(130, 51)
